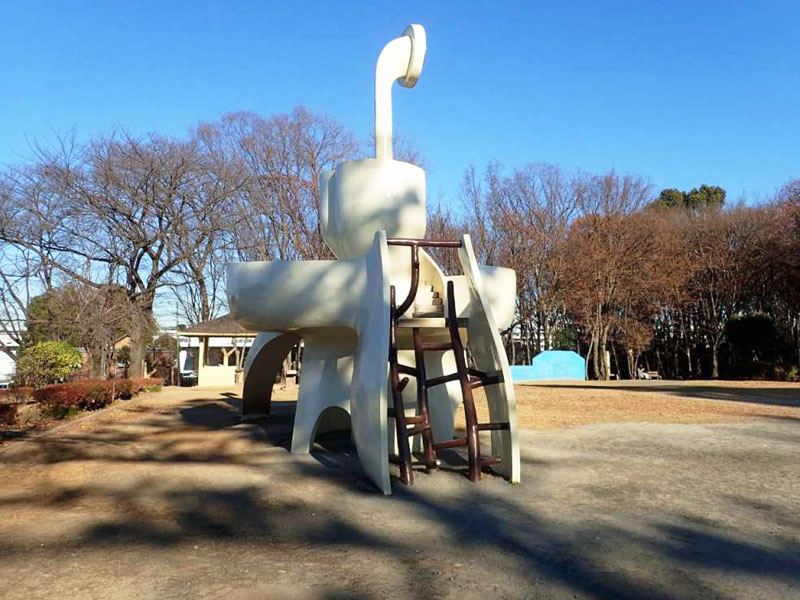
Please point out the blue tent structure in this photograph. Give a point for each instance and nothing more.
(551, 364)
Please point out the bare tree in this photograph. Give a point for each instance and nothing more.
(443, 224)
(19, 281)
(116, 206)
(785, 256)
(479, 199)
(606, 251)
(719, 244)
(538, 205)
(151, 212)
(279, 161)
(207, 237)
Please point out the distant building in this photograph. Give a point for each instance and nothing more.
(123, 342)
(212, 353)
(8, 366)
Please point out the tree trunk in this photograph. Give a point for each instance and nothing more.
(523, 339)
(797, 338)
(714, 362)
(690, 373)
(513, 348)
(139, 331)
(605, 358)
(137, 352)
(202, 290)
(633, 363)
(659, 363)
(548, 345)
(674, 363)
(528, 356)
(616, 361)
(688, 346)
(629, 357)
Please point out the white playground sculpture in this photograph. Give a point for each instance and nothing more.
(363, 352)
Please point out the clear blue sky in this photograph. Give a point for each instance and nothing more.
(682, 93)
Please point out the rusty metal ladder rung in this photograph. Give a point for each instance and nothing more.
(420, 423)
(470, 379)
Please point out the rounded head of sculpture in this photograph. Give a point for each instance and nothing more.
(419, 46)
(364, 196)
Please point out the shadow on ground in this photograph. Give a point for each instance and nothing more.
(259, 504)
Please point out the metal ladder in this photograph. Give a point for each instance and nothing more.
(407, 427)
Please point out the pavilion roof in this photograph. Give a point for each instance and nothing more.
(223, 326)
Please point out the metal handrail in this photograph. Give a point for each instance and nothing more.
(415, 244)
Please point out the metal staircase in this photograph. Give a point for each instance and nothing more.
(469, 378)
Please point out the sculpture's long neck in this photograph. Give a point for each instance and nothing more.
(392, 64)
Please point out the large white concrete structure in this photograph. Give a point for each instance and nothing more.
(359, 340)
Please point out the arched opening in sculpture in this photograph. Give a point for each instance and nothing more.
(333, 423)
(262, 367)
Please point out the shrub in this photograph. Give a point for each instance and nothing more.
(147, 384)
(8, 415)
(791, 373)
(90, 394)
(16, 394)
(48, 362)
(124, 388)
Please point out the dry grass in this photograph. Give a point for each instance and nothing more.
(556, 404)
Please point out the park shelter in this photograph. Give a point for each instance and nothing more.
(215, 351)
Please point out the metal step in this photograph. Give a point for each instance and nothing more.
(493, 426)
(407, 370)
(486, 380)
(434, 347)
(434, 381)
(416, 430)
(451, 443)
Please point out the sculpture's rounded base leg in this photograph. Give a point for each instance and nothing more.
(324, 383)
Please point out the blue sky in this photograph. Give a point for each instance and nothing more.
(682, 93)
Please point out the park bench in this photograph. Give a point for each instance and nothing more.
(653, 374)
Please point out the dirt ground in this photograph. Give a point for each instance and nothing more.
(558, 404)
(654, 490)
